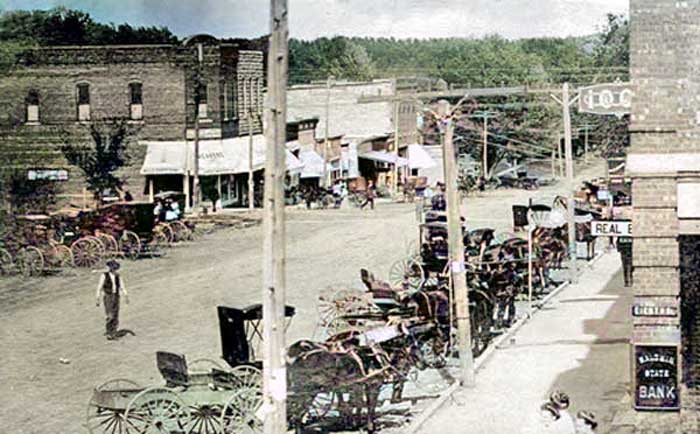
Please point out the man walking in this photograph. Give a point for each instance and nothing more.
(369, 198)
(109, 287)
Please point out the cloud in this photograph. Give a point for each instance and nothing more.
(391, 18)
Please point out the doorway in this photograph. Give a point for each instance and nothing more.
(689, 250)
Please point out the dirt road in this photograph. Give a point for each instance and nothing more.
(173, 302)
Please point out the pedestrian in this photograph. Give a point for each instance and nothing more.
(337, 194)
(369, 196)
(214, 197)
(110, 287)
(585, 422)
(624, 246)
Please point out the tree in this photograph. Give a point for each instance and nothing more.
(103, 155)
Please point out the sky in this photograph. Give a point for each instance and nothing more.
(310, 19)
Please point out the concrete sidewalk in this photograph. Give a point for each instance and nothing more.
(578, 344)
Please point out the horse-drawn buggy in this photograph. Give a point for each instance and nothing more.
(204, 396)
(28, 245)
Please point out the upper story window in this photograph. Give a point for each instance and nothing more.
(83, 95)
(32, 105)
(136, 101)
(200, 99)
(231, 99)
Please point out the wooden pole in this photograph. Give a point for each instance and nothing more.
(196, 194)
(397, 106)
(530, 228)
(560, 156)
(585, 144)
(554, 167)
(485, 164)
(186, 189)
(326, 181)
(456, 246)
(251, 182)
(568, 150)
(274, 249)
(151, 190)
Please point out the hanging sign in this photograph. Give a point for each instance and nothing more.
(611, 228)
(656, 377)
(47, 175)
(606, 99)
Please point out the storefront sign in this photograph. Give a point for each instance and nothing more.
(606, 99)
(611, 228)
(656, 377)
(652, 310)
(47, 175)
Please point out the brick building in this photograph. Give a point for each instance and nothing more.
(664, 164)
(55, 91)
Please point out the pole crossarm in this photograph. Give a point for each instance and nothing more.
(462, 92)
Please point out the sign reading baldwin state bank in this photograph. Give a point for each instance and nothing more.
(656, 377)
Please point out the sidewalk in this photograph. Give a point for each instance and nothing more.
(578, 344)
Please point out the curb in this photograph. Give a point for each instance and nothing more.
(426, 414)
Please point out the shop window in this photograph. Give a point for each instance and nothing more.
(83, 95)
(136, 101)
(32, 104)
(200, 98)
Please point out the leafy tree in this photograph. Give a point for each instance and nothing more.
(100, 158)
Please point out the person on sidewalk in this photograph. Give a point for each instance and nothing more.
(624, 246)
(585, 422)
(109, 288)
(370, 195)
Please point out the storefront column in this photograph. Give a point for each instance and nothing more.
(186, 189)
(151, 193)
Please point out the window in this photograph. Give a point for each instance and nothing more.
(32, 103)
(136, 101)
(200, 99)
(230, 92)
(83, 102)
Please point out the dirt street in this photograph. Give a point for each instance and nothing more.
(173, 302)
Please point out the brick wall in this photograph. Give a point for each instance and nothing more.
(250, 79)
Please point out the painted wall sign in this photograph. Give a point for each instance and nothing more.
(47, 174)
(656, 377)
(653, 310)
(611, 228)
(606, 99)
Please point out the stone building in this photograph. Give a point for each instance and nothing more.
(664, 164)
(54, 92)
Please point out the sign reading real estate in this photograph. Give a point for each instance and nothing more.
(656, 377)
(611, 228)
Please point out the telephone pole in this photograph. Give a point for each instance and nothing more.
(566, 103)
(274, 251)
(326, 176)
(456, 246)
(397, 106)
(485, 159)
(196, 196)
(251, 182)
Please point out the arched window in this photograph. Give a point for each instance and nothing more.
(83, 100)
(32, 107)
(136, 100)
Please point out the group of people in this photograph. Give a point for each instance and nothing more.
(167, 210)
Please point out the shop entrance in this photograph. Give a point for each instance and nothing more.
(689, 249)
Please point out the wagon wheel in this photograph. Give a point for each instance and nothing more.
(6, 263)
(105, 420)
(165, 229)
(180, 231)
(481, 321)
(158, 243)
(239, 413)
(130, 245)
(30, 261)
(204, 365)
(407, 270)
(413, 248)
(247, 377)
(63, 256)
(86, 253)
(110, 245)
(157, 410)
(330, 304)
(204, 418)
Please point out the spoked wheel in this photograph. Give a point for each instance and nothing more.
(87, 253)
(30, 261)
(180, 231)
(109, 244)
(334, 304)
(130, 245)
(481, 321)
(157, 245)
(166, 230)
(408, 271)
(203, 419)
(240, 412)
(103, 416)
(157, 410)
(413, 248)
(6, 264)
(247, 377)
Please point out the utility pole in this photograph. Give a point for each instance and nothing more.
(326, 174)
(397, 106)
(485, 162)
(274, 251)
(566, 103)
(196, 199)
(585, 143)
(251, 182)
(456, 246)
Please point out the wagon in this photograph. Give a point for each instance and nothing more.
(201, 397)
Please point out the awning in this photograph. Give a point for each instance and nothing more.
(312, 164)
(216, 157)
(384, 157)
(418, 158)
